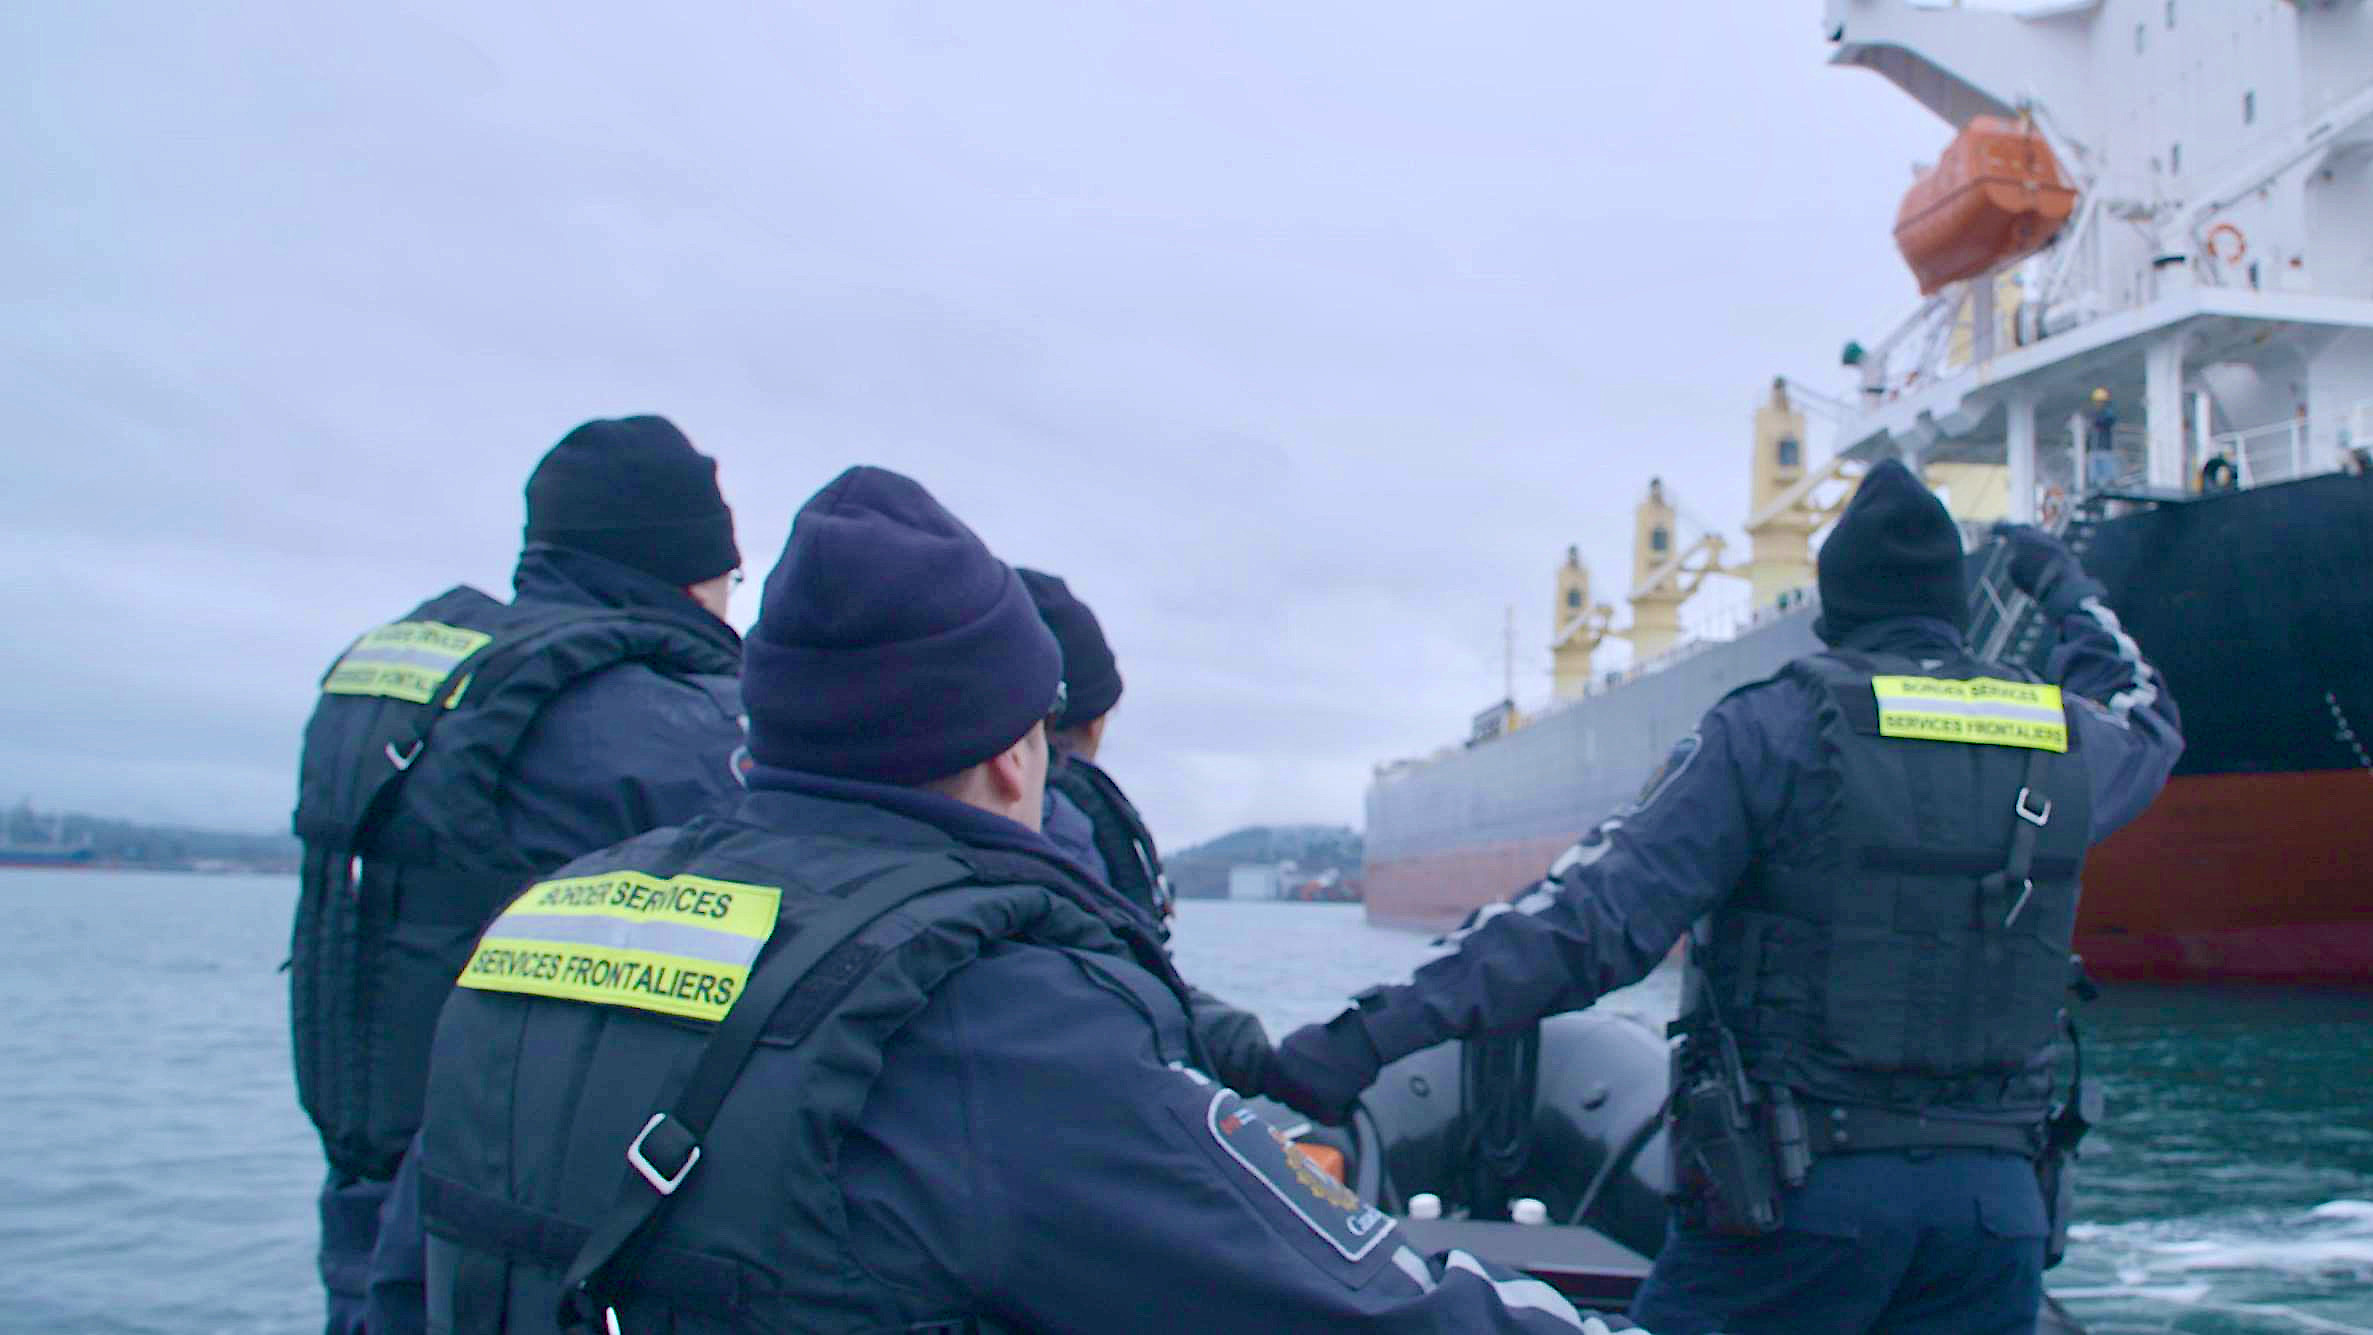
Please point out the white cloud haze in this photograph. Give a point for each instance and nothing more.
(1301, 343)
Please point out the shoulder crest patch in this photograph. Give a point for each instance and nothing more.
(1675, 763)
(1333, 1211)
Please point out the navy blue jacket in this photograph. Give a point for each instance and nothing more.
(1036, 1144)
(1037, 1113)
(1233, 1038)
(1750, 779)
(1069, 829)
(627, 749)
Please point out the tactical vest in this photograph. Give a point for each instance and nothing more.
(1902, 958)
(1131, 863)
(406, 855)
(594, 994)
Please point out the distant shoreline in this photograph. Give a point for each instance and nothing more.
(180, 868)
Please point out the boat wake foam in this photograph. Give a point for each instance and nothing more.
(2304, 1270)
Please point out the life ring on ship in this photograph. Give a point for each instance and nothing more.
(2048, 509)
(2217, 252)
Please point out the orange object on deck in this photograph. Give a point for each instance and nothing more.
(1997, 194)
(1325, 1158)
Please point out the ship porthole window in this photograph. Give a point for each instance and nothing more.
(2249, 107)
(1790, 452)
(1658, 540)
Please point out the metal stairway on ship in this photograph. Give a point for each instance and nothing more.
(2005, 625)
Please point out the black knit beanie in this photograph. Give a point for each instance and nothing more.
(1091, 680)
(891, 645)
(633, 489)
(1896, 552)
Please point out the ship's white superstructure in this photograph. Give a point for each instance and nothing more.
(2216, 278)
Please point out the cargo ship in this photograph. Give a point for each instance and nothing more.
(14, 855)
(2146, 260)
(31, 839)
(52, 854)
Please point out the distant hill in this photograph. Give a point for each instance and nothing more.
(1201, 872)
(124, 843)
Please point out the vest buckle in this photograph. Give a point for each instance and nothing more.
(2029, 814)
(663, 1183)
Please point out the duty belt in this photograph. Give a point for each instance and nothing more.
(1846, 1128)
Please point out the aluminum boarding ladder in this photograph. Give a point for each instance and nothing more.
(2005, 625)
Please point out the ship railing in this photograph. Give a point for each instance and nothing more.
(1620, 677)
(2276, 452)
(2282, 451)
(2272, 453)
(1722, 621)
(1705, 633)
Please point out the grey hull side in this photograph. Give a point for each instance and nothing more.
(1448, 833)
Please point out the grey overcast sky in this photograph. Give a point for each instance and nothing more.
(1301, 339)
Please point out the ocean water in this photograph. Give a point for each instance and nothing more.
(161, 1178)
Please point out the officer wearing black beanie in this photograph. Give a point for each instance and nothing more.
(891, 647)
(1091, 676)
(1879, 849)
(634, 491)
(1896, 552)
(1086, 814)
(469, 746)
(1090, 818)
(950, 1065)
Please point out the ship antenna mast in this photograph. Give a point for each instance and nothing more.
(1508, 656)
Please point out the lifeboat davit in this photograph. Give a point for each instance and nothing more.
(1997, 194)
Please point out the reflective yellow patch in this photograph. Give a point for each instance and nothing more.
(682, 945)
(406, 661)
(1981, 711)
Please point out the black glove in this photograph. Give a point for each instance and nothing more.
(1233, 1041)
(1320, 1069)
(2043, 568)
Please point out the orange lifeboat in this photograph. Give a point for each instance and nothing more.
(1997, 194)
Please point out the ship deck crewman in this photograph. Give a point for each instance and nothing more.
(865, 1051)
(472, 745)
(1090, 818)
(1881, 845)
(2101, 442)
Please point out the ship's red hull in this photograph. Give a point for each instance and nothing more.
(2233, 877)
(2260, 877)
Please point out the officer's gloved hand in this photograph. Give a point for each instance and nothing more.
(1321, 1069)
(1233, 1041)
(2043, 568)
